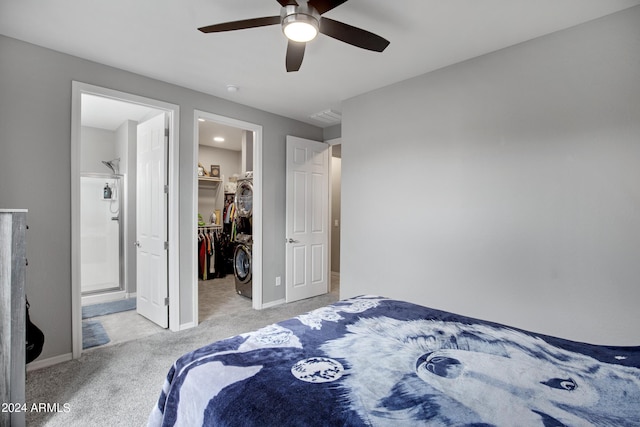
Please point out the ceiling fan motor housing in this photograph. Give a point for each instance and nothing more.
(300, 15)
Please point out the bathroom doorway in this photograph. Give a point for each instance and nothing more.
(106, 215)
(108, 197)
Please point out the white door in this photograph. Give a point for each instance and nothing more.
(151, 221)
(307, 239)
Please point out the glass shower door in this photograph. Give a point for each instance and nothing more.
(100, 234)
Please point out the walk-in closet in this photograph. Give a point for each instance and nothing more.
(224, 166)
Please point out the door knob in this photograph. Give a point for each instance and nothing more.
(292, 241)
(137, 244)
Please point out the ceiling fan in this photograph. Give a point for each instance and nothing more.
(301, 23)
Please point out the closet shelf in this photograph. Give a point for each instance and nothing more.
(208, 183)
(209, 179)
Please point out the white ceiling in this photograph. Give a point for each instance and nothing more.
(207, 130)
(159, 39)
(106, 113)
(109, 114)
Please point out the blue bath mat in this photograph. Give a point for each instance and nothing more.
(93, 334)
(89, 311)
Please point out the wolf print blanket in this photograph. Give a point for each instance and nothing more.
(372, 361)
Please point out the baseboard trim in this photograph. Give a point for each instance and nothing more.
(274, 303)
(104, 297)
(186, 326)
(45, 363)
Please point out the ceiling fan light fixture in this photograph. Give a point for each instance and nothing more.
(300, 30)
(300, 24)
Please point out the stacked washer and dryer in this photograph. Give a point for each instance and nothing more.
(242, 255)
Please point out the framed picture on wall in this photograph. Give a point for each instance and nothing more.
(215, 171)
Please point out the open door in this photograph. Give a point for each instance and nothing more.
(307, 221)
(151, 221)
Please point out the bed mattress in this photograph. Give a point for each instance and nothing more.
(373, 361)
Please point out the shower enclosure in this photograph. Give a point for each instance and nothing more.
(101, 233)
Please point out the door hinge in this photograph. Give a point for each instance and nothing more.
(166, 189)
(166, 301)
(166, 245)
(166, 132)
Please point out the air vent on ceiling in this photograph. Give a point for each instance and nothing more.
(328, 117)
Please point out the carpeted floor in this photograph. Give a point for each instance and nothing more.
(118, 384)
(214, 296)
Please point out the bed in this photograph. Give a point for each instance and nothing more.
(373, 361)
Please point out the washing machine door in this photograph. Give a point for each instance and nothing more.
(244, 198)
(242, 263)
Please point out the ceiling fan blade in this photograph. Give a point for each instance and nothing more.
(353, 35)
(242, 24)
(323, 6)
(285, 3)
(295, 54)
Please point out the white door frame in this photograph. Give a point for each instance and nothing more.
(256, 249)
(173, 112)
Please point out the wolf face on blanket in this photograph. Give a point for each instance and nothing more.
(451, 374)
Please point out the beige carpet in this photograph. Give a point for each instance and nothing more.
(219, 295)
(118, 384)
(214, 296)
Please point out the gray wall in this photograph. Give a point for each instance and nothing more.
(248, 151)
(35, 161)
(336, 171)
(332, 132)
(127, 135)
(210, 196)
(506, 187)
(97, 145)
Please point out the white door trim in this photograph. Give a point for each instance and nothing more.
(173, 111)
(256, 263)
